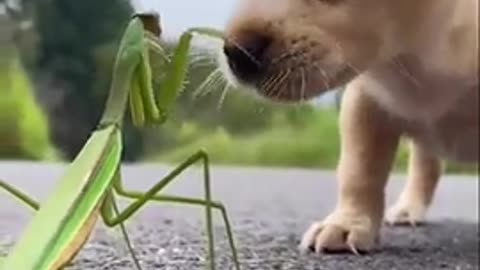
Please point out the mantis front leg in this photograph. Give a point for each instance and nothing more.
(151, 195)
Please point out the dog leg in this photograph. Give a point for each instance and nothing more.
(423, 174)
(369, 138)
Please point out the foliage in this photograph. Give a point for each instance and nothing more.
(24, 126)
(309, 141)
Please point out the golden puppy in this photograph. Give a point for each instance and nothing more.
(411, 69)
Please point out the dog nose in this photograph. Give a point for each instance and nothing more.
(246, 55)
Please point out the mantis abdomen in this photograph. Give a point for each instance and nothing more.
(76, 245)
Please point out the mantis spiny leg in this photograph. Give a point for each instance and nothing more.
(151, 195)
(15, 192)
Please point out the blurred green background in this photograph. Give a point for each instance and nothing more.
(55, 67)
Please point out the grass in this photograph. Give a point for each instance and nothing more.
(315, 144)
(278, 146)
(24, 129)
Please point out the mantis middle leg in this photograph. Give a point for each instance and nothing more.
(151, 195)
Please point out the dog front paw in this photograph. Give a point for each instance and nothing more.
(341, 232)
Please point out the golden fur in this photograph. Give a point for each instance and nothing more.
(411, 69)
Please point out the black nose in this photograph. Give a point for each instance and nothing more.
(246, 56)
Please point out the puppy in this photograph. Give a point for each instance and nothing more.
(410, 68)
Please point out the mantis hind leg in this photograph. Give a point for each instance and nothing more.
(151, 195)
(108, 211)
(18, 194)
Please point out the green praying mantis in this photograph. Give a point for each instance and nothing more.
(88, 190)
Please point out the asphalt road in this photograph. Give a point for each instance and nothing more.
(270, 209)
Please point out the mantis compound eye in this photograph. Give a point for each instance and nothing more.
(151, 22)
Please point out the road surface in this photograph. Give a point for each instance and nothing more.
(270, 209)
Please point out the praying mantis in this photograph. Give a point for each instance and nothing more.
(88, 190)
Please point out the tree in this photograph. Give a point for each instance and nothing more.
(23, 125)
(77, 42)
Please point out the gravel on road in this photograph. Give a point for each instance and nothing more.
(269, 209)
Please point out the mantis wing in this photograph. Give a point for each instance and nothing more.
(65, 220)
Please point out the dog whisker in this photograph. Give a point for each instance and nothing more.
(290, 89)
(278, 88)
(303, 84)
(282, 90)
(266, 83)
(272, 82)
(323, 76)
(221, 101)
(201, 59)
(207, 85)
(246, 52)
(271, 87)
(281, 57)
